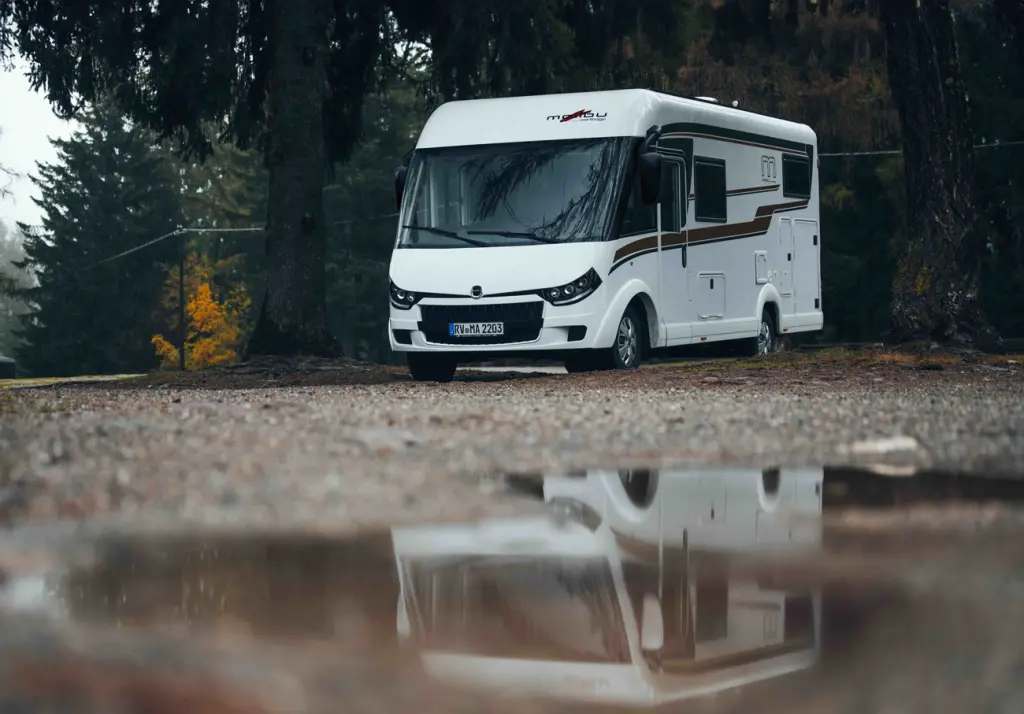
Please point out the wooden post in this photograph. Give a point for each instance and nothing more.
(182, 327)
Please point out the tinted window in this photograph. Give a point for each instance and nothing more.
(712, 609)
(709, 187)
(796, 177)
(513, 194)
(638, 218)
(671, 218)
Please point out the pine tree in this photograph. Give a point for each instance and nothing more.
(11, 280)
(109, 191)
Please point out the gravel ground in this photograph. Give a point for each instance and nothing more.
(331, 454)
(923, 606)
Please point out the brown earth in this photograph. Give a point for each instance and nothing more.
(836, 365)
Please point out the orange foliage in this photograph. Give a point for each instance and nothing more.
(214, 325)
(828, 72)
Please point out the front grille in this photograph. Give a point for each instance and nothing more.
(523, 322)
(514, 312)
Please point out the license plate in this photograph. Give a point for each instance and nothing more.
(475, 329)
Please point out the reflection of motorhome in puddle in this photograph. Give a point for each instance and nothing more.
(625, 596)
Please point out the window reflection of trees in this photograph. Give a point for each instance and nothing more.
(503, 607)
(511, 593)
(584, 216)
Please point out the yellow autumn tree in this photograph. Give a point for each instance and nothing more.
(214, 321)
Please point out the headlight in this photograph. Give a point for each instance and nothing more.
(579, 289)
(402, 299)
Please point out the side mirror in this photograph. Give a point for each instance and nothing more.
(400, 175)
(652, 627)
(650, 177)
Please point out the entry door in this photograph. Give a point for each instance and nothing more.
(674, 305)
(784, 265)
(807, 285)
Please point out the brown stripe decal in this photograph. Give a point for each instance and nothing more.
(756, 605)
(671, 240)
(730, 230)
(637, 246)
(760, 225)
(738, 659)
(770, 210)
(752, 189)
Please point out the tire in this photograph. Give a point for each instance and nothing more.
(640, 486)
(627, 348)
(767, 340)
(614, 357)
(431, 368)
(581, 361)
(771, 483)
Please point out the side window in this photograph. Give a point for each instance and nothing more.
(709, 187)
(796, 176)
(672, 218)
(638, 218)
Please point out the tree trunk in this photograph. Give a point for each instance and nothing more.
(935, 290)
(1011, 14)
(293, 318)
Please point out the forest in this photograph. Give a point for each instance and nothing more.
(212, 174)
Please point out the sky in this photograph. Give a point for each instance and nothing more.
(27, 123)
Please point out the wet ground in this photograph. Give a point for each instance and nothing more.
(700, 588)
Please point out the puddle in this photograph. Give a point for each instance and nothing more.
(790, 590)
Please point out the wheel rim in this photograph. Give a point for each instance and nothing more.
(627, 341)
(764, 338)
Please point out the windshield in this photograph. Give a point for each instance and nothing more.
(513, 194)
(555, 609)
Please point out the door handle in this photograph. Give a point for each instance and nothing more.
(684, 256)
(789, 256)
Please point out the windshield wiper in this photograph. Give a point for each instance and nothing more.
(448, 234)
(514, 234)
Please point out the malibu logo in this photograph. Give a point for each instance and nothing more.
(581, 115)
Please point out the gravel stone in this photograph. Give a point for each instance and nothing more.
(359, 454)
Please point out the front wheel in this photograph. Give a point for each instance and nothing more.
(766, 341)
(628, 341)
(431, 368)
(625, 353)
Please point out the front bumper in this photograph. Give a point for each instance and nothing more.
(531, 325)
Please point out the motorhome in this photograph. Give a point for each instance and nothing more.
(598, 228)
(613, 601)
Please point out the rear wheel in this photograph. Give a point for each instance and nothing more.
(431, 368)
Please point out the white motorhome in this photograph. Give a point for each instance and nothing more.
(597, 227)
(614, 601)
